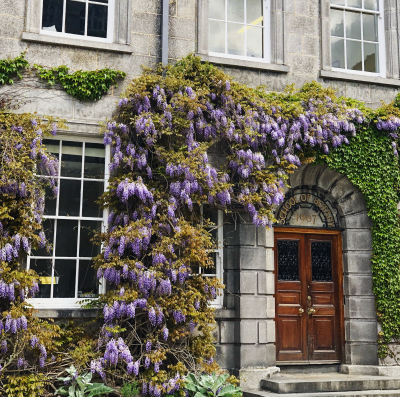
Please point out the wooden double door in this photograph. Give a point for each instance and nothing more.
(309, 296)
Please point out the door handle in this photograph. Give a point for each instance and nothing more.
(301, 310)
(311, 311)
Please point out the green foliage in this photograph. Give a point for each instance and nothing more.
(211, 386)
(130, 389)
(32, 385)
(9, 68)
(81, 386)
(83, 85)
(371, 166)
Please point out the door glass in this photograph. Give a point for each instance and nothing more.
(288, 260)
(321, 260)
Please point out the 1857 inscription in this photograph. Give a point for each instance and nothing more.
(307, 209)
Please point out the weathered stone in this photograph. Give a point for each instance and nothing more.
(266, 331)
(253, 307)
(357, 262)
(250, 378)
(225, 356)
(248, 332)
(357, 307)
(182, 28)
(361, 331)
(361, 354)
(358, 285)
(357, 221)
(248, 282)
(227, 331)
(357, 240)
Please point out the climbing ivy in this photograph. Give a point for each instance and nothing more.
(9, 68)
(83, 85)
(370, 164)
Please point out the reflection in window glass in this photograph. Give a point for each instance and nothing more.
(355, 35)
(87, 283)
(74, 217)
(236, 27)
(76, 17)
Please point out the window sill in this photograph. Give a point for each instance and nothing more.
(67, 313)
(225, 313)
(41, 38)
(270, 67)
(357, 78)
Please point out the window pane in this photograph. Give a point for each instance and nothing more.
(71, 159)
(87, 283)
(370, 27)
(338, 2)
(337, 24)
(66, 239)
(371, 58)
(88, 249)
(255, 42)
(371, 5)
(217, 36)
(75, 17)
(212, 216)
(337, 53)
(70, 195)
(354, 56)
(64, 279)
(95, 159)
(48, 227)
(97, 20)
(50, 202)
(321, 261)
(91, 193)
(43, 268)
(288, 260)
(217, 9)
(236, 11)
(354, 3)
(211, 270)
(254, 9)
(236, 39)
(353, 25)
(52, 15)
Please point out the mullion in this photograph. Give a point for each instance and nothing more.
(362, 40)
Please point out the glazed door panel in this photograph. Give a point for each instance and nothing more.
(307, 297)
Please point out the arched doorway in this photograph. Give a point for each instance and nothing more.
(324, 304)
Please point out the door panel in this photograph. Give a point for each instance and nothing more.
(308, 315)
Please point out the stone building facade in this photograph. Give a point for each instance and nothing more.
(302, 40)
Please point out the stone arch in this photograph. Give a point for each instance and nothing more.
(361, 325)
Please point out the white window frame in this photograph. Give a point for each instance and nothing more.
(72, 303)
(266, 32)
(110, 23)
(219, 300)
(381, 40)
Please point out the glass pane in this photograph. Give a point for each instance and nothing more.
(99, 1)
(321, 260)
(71, 159)
(211, 271)
(353, 25)
(255, 42)
(371, 5)
(91, 193)
(97, 20)
(288, 260)
(370, 27)
(43, 268)
(236, 11)
(70, 195)
(95, 160)
(87, 281)
(254, 10)
(75, 17)
(50, 202)
(212, 215)
(52, 15)
(354, 3)
(236, 39)
(337, 24)
(66, 239)
(217, 9)
(52, 145)
(337, 53)
(371, 57)
(217, 36)
(48, 227)
(88, 249)
(64, 279)
(338, 2)
(354, 56)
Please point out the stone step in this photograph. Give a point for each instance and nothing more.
(320, 383)
(364, 393)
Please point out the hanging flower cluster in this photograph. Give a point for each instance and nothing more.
(178, 142)
(26, 170)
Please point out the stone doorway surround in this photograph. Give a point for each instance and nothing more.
(246, 337)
